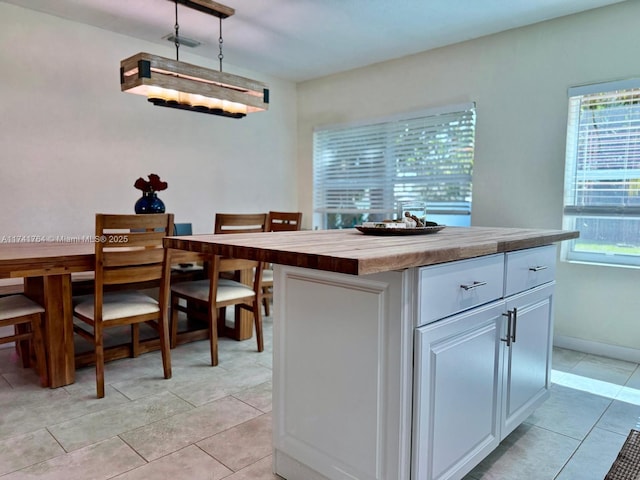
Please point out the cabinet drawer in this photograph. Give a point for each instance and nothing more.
(453, 287)
(529, 268)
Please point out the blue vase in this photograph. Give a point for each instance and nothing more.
(149, 203)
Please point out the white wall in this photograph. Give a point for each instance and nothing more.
(519, 81)
(72, 144)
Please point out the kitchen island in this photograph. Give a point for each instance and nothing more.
(401, 357)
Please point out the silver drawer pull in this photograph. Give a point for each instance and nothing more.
(538, 268)
(473, 285)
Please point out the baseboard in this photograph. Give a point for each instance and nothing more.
(291, 469)
(595, 348)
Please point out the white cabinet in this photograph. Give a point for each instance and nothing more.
(479, 374)
(529, 286)
(527, 358)
(457, 392)
(408, 375)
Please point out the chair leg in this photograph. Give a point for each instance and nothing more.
(222, 321)
(23, 346)
(97, 338)
(213, 335)
(135, 340)
(265, 301)
(165, 348)
(173, 323)
(38, 346)
(257, 316)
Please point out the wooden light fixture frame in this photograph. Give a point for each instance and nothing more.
(175, 84)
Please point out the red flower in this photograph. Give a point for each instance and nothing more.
(153, 185)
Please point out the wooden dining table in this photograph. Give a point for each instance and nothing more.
(46, 267)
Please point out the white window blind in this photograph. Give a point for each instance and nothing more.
(602, 174)
(362, 172)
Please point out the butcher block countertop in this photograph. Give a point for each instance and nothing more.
(351, 252)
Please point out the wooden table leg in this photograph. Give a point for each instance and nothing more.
(243, 318)
(54, 294)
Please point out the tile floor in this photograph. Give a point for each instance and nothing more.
(213, 423)
(204, 423)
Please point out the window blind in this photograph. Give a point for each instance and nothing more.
(602, 173)
(370, 168)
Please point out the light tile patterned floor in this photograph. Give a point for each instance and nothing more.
(215, 422)
(204, 423)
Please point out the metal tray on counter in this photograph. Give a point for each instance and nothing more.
(399, 231)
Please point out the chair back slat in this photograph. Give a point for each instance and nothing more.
(135, 274)
(284, 221)
(232, 264)
(136, 221)
(183, 256)
(123, 257)
(240, 223)
(115, 239)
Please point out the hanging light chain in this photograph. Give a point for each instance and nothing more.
(177, 35)
(220, 42)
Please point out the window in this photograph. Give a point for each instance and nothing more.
(602, 174)
(364, 172)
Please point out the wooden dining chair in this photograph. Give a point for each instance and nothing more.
(129, 251)
(182, 229)
(82, 282)
(26, 317)
(240, 222)
(207, 299)
(283, 221)
(277, 222)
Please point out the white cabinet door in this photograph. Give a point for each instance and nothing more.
(527, 358)
(457, 392)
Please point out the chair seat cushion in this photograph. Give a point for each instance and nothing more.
(18, 306)
(227, 290)
(117, 305)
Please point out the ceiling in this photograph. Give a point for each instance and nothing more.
(302, 39)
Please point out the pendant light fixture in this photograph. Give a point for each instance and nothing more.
(172, 83)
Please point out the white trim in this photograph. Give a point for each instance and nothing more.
(285, 465)
(604, 87)
(596, 348)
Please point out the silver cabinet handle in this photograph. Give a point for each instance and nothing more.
(509, 334)
(473, 285)
(512, 318)
(538, 268)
